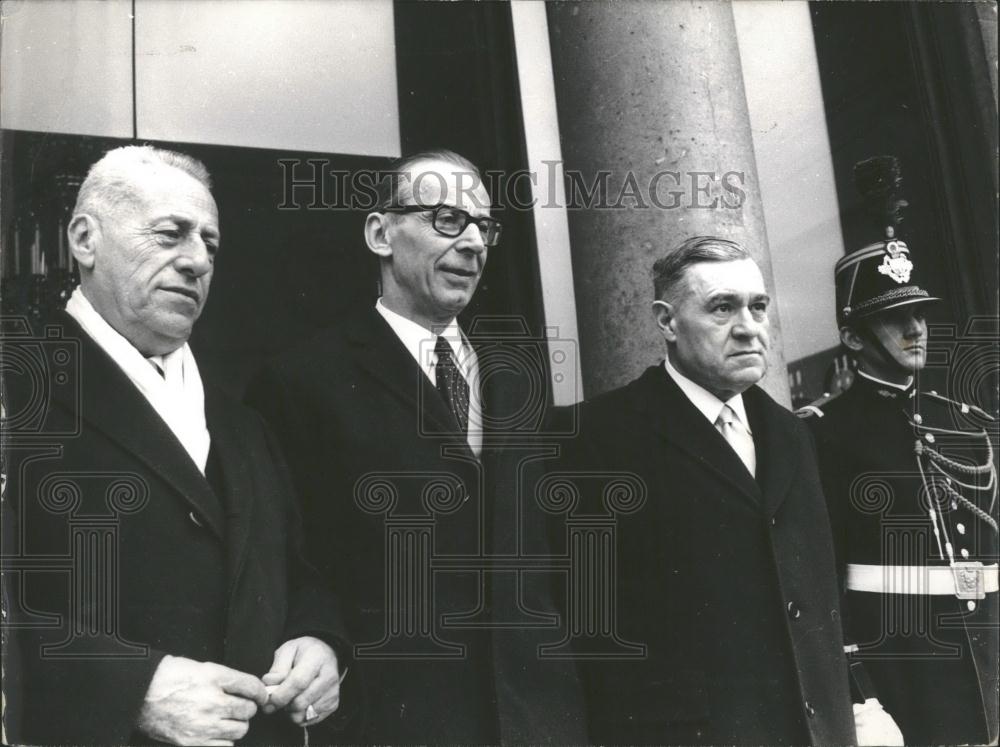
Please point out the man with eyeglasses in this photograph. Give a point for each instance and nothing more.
(393, 424)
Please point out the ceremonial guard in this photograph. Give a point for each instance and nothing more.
(911, 482)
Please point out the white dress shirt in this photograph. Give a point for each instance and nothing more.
(712, 407)
(420, 343)
(177, 395)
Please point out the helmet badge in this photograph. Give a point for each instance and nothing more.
(895, 263)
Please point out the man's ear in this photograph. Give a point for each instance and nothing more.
(851, 339)
(663, 311)
(82, 233)
(377, 234)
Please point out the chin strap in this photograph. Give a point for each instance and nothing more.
(883, 353)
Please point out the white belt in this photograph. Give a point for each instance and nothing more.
(965, 580)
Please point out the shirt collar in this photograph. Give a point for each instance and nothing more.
(108, 338)
(178, 396)
(420, 341)
(707, 403)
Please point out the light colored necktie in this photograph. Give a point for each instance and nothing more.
(738, 437)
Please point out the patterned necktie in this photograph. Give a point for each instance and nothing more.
(451, 383)
(738, 437)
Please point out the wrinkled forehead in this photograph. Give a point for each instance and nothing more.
(437, 182)
(740, 276)
(165, 189)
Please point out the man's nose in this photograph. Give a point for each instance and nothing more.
(747, 325)
(915, 327)
(472, 239)
(194, 259)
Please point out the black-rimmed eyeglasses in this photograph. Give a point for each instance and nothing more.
(452, 221)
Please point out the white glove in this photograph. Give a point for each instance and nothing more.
(875, 726)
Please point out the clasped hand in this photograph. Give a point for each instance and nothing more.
(304, 673)
(193, 702)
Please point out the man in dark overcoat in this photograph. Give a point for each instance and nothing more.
(157, 591)
(400, 431)
(725, 574)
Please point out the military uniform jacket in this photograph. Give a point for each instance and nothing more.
(726, 581)
(887, 458)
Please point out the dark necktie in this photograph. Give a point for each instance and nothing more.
(451, 383)
(156, 367)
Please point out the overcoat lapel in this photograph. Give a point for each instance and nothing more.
(382, 354)
(237, 486)
(777, 447)
(677, 421)
(112, 404)
(501, 394)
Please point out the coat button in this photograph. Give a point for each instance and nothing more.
(774, 521)
(917, 418)
(929, 437)
(194, 519)
(971, 606)
(965, 554)
(810, 711)
(960, 527)
(793, 611)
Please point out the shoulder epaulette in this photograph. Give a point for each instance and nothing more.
(814, 408)
(962, 406)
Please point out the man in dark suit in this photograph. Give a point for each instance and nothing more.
(160, 594)
(398, 430)
(726, 574)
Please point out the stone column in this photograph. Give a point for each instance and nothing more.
(653, 90)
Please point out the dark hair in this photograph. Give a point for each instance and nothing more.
(668, 271)
(398, 172)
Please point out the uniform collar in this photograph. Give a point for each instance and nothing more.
(887, 389)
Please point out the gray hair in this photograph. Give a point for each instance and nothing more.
(111, 181)
(399, 171)
(668, 271)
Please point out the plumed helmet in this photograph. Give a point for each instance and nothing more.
(880, 275)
